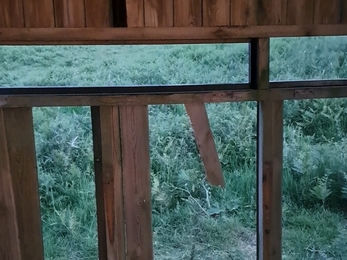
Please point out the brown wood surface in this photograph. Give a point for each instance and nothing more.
(9, 239)
(11, 13)
(69, 13)
(135, 13)
(38, 13)
(137, 181)
(216, 12)
(272, 12)
(270, 150)
(344, 12)
(22, 191)
(109, 182)
(327, 12)
(98, 13)
(292, 91)
(243, 12)
(158, 13)
(300, 12)
(205, 142)
(187, 13)
(94, 36)
(269, 157)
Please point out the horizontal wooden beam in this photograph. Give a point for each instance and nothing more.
(161, 35)
(294, 90)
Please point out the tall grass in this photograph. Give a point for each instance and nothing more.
(191, 219)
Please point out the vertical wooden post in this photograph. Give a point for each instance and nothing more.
(108, 182)
(269, 158)
(20, 221)
(137, 183)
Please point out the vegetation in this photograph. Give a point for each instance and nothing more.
(192, 220)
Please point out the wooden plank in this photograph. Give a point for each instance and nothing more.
(168, 35)
(272, 12)
(38, 13)
(158, 13)
(327, 12)
(109, 182)
(209, 97)
(187, 13)
(135, 13)
(300, 12)
(11, 13)
(205, 142)
(269, 157)
(270, 153)
(216, 12)
(69, 13)
(98, 13)
(243, 12)
(9, 235)
(24, 182)
(137, 183)
(344, 12)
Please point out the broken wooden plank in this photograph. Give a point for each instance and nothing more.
(216, 12)
(137, 181)
(108, 182)
(300, 12)
(158, 13)
(17, 127)
(11, 14)
(205, 142)
(243, 12)
(69, 13)
(187, 13)
(39, 13)
(135, 13)
(99, 13)
(327, 12)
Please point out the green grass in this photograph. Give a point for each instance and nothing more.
(192, 220)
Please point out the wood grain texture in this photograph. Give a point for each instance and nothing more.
(9, 239)
(38, 13)
(109, 182)
(69, 13)
(135, 13)
(327, 12)
(243, 12)
(300, 12)
(344, 12)
(158, 13)
(216, 12)
(259, 63)
(168, 35)
(24, 183)
(270, 153)
(187, 13)
(272, 12)
(99, 13)
(205, 142)
(137, 183)
(11, 14)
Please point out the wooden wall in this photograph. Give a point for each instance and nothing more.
(167, 13)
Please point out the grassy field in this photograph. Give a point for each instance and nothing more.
(315, 144)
